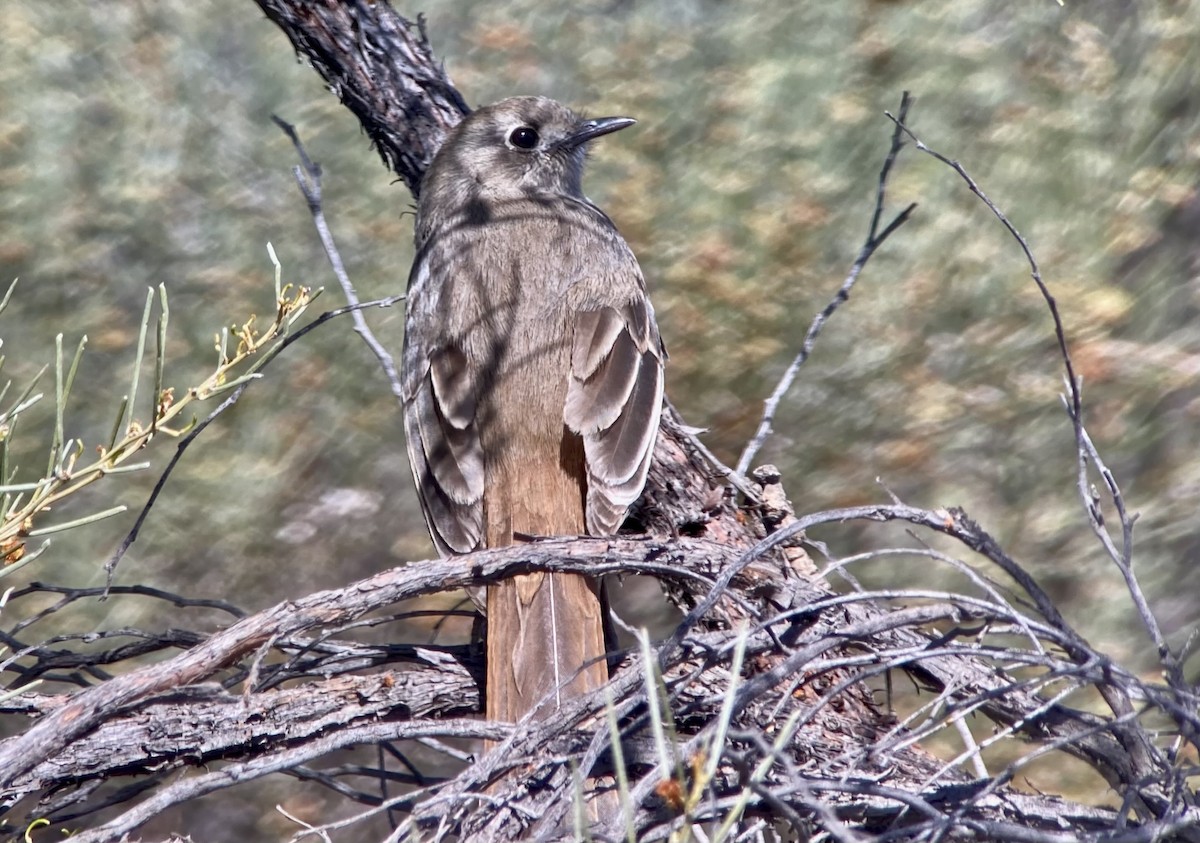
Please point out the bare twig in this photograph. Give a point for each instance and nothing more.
(875, 239)
(111, 565)
(1139, 747)
(308, 177)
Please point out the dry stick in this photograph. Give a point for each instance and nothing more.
(308, 177)
(70, 595)
(85, 709)
(956, 524)
(830, 516)
(1136, 741)
(760, 684)
(691, 435)
(111, 565)
(929, 519)
(202, 723)
(771, 678)
(195, 786)
(874, 240)
(383, 70)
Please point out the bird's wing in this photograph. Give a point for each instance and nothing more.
(439, 415)
(614, 399)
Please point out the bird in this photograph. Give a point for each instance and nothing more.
(532, 379)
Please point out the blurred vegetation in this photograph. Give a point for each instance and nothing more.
(136, 149)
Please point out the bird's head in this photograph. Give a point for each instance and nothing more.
(521, 145)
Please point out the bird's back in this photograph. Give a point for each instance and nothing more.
(532, 379)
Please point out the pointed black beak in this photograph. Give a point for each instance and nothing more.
(591, 129)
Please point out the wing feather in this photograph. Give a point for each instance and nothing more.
(614, 400)
(595, 332)
(597, 405)
(439, 413)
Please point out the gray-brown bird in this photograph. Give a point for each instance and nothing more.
(533, 380)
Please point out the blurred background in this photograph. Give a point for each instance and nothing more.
(136, 149)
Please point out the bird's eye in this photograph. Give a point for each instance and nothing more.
(524, 137)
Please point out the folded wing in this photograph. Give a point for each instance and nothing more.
(439, 428)
(614, 399)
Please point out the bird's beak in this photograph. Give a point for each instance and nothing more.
(591, 129)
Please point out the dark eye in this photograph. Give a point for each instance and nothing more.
(524, 137)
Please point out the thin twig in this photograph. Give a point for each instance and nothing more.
(875, 239)
(110, 566)
(1137, 742)
(308, 177)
